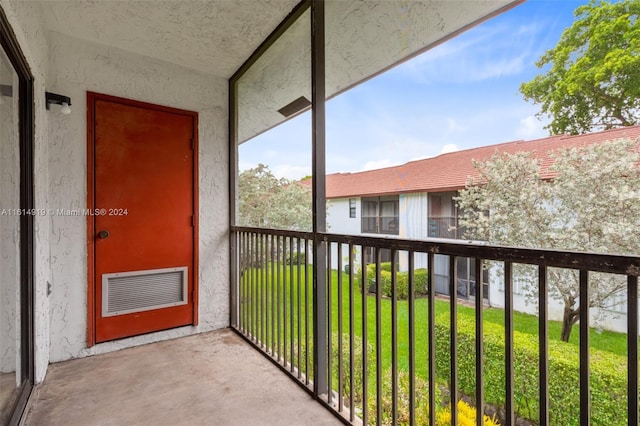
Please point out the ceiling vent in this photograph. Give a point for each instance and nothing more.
(295, 107)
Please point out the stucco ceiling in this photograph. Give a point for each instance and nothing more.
(212, 36)
(363, 38)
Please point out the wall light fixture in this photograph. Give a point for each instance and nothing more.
(65, 101)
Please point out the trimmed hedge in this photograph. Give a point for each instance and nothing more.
(608, 374)
(420, 281)
(384, 266)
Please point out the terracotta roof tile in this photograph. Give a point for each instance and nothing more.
(451, 171)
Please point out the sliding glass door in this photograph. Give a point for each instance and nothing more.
(16, 230)
(10, 371)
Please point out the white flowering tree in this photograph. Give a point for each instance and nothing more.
(592, 204)
(266, 201)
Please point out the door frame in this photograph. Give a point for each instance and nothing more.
(92, 97)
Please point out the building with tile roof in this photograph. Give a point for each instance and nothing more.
(416, 200)
(448, 172)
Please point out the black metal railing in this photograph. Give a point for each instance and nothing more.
(401, 355)
(273, 293)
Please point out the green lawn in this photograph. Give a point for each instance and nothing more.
(614, 343)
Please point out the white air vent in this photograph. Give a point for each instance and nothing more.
(127, 292)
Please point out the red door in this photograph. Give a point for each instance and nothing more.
(143, 227)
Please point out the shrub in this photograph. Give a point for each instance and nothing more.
(608, 373)
(402, 281)
(371, 277)
(420, 281)
(421, 399)
(466, 413)
(295, 257)
(357, 366)
(385, 266)
(402, 284)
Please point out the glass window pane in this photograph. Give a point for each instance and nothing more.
(365, 38)
(369, 224)
(389, 208)
(274, 134)
(369, 208)
(10, 357)
(461, 267)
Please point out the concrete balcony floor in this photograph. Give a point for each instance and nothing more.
(207, 379)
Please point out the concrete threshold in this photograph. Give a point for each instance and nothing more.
(211, 378)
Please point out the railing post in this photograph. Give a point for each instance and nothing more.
(318, 170)
(234, 278)
(632, 350)
(508, 344)
(585, 396)
(234, 265)
(543, 339)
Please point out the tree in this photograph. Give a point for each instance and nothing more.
(592, 80)
(592, 204)
(270, 202)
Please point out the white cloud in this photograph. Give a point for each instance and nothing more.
(378, 164)
(381, 138)
(531, 128)
(290, 172)
(471, 67)
(243, 165)
(271, 154)
(423, 157)
(287, 171)
(457, 46)
(485, 52)
(450, 147)
(502, 67)
(453, 125)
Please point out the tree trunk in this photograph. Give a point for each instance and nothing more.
(569, 319)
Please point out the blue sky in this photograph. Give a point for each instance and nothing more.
(461, 94)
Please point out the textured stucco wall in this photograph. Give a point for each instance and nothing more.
(65, 65)
(339, 222)
(77, 67)
(27, 23)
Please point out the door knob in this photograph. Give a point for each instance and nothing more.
(103, 234)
